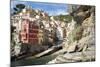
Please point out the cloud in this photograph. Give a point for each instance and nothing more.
(58, 13)
(61, 12)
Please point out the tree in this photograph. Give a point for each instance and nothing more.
(18, 8)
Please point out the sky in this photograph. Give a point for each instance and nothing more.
(50, 8)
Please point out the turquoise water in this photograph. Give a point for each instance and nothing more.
(33, 61)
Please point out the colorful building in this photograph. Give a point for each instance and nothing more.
(29, 33)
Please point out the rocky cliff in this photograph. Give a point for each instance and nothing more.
(80, 41)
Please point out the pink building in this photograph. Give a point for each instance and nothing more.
(29, 32)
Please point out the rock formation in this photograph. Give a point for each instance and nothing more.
(80, 42)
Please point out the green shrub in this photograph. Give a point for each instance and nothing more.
(65, 18)
(76, 34)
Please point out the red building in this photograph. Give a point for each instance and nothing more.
(29, 32)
